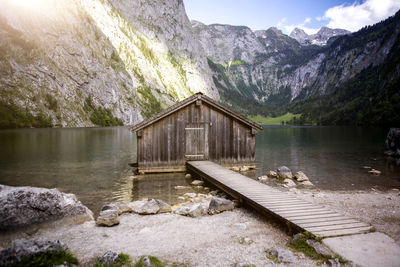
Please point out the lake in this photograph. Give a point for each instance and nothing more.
(93, 162)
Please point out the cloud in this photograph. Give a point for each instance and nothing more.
(357, 15)
(289, 28)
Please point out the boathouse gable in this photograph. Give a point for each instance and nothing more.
(197, 128)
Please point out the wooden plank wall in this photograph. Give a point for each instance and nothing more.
(163, 143)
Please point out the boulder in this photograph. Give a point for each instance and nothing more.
(288, 183)
(197, 182)
(147, 207)
(281, 255)
(272, 174)
(164, 207)
(150, 207)
(218, 205)
(284, 172)
(319, 248)
(26, 206)
(374, 172)
(192, 209)
(136, 206)
(21, 249)
(263, 178)
(301, 177)
(392, 143)
(188, 176)
(108, 218)
(307, 183)
(108, 259)
(119, 206)
(244, 169)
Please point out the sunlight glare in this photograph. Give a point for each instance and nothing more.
(28, 3)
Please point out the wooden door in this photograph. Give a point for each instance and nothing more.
(196, 139)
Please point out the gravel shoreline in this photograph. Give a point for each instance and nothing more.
(218, 240)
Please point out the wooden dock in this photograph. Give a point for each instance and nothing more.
(298, 214)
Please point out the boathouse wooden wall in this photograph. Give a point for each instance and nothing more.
(162, 144)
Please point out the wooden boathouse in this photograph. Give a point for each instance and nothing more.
(197, 128)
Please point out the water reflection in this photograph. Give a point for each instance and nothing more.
(93, 162)
(332, 157)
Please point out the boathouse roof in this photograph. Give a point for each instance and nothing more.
(188, 101)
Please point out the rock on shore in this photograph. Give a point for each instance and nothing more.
(26, 206)
(284, 172)
(22, 249)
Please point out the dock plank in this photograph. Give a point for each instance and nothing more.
(306, 216)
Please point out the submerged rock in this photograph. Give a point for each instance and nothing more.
(288, 183)
(244, 169)
(307, 183)
(197, 182)
(392, 143)
(235, 168)
(272, 174)
(301, 177)
(284, 172)
(27, 206)
(108, 218)
(374, 172)
(218, 205)
(263, 178)
(21, 249)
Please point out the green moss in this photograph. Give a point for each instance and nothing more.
(150, 105)
(155, 262)
(49, 258)
(300, 245)
(276, 120)
(13, 116)
(52, 102)
(146, 50)
(178, 66)
(100, 116)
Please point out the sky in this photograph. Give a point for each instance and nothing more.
(309, 15)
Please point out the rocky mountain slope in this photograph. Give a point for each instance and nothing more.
(319, 38)
(86, 62)
(281, 71)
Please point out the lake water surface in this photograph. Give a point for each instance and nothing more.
(93, 162)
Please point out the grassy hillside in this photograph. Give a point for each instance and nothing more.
(288, 118)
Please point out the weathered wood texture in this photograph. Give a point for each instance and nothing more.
(197, 131)
(301, 215)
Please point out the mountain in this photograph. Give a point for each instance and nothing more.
(319, 38)
(112, 62)
(284, 75)
(96, 62)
